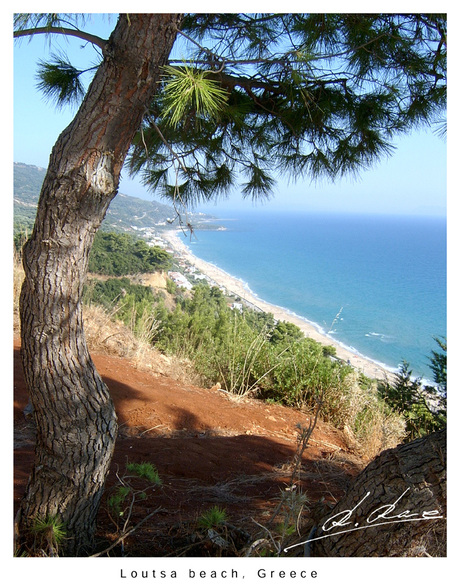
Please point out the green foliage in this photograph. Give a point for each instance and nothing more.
(60, 81)
(284, 332)
(19, 239)
(248, 352)
(49, 533)
(135, 305)
(242, 357)
(116, 254)
(23, 21)
(116, 500)
(423, 408)
(145, 470)
(316, 95)
(304, 372)
(189, 89)
(405, 392)
(213, 518)
(329, 350)
(421, 420)
(171, 286)
(109, 292)
(131, 488)
(438, 365)
(225, 345)
(305, 95)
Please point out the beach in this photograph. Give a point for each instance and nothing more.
(238, 288)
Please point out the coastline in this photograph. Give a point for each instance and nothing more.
(237, 287)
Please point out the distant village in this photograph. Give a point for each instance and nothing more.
(186, 275)
(190, 272)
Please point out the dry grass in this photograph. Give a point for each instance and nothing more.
(366, 421)
(108, 336)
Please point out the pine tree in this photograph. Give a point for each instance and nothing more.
(301, 95)
(258, 95)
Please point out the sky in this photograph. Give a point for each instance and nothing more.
(411, 181)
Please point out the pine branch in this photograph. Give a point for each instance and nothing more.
(93, 39)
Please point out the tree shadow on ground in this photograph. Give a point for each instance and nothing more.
(201, 460)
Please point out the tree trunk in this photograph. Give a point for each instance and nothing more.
(400, 497)
(75, 417)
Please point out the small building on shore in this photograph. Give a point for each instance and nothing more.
(180, 280)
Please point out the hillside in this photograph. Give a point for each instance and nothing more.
(210, 449)
(125, 213)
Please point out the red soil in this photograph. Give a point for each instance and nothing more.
(209, 448)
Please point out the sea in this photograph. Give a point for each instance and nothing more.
(375, 284)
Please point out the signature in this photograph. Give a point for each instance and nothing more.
(383, 515)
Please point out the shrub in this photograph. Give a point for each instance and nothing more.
(110, 292)
(115, 254)
(304, 372)
(249, 352)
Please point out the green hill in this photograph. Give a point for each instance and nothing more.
(126, 214)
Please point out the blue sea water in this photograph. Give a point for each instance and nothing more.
(376, 284)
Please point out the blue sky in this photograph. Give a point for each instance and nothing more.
(412, 181)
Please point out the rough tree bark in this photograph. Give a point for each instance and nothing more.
(412, 477)
(75, 417)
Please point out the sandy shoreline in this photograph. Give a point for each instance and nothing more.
(235, 286)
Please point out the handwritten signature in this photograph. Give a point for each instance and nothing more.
(383, 515)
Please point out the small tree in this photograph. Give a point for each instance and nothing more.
(423, 407)
(406, 390)
(438, 365)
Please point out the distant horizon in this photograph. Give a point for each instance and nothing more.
(220, 209)
(236, 203)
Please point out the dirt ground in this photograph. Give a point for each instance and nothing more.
(210, 449)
